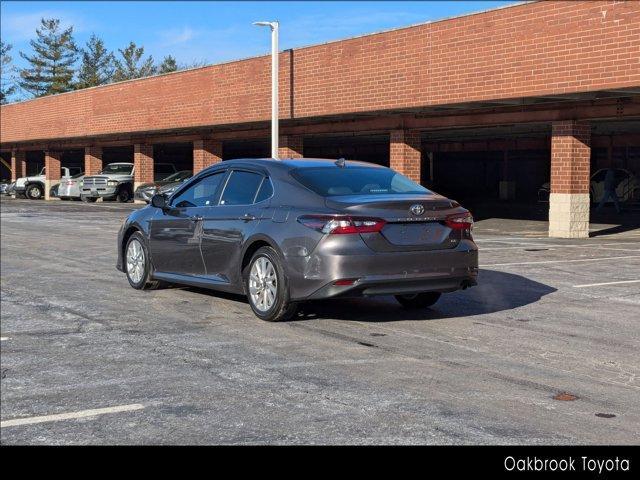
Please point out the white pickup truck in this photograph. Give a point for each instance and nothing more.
(33, 187)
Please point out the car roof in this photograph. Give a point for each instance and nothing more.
(120, 163)
(291, 163)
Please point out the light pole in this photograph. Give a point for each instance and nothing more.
(274, 84)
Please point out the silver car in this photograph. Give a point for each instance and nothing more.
(69, 188)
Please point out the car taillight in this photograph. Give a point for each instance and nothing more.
(459, 221)
(341, 224)
(70, 182)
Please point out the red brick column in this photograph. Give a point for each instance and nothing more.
(143, 165)
(52, 172)
(18, 165)
(291, 146)
(404, 153)
(206, 152)
(92, 160)
(570, 176)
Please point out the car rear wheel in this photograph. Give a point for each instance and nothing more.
(418, 300)
(267, 287)
(34, 192)
(137, 264)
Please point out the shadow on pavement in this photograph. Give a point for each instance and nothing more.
(496, 292)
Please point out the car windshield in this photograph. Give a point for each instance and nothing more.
(176, 177)
(118, 168)
(335, 181)
(78, 175)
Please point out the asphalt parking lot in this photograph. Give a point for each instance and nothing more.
(187, 366)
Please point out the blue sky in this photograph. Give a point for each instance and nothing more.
(214, 32)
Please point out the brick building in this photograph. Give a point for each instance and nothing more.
(492, 104)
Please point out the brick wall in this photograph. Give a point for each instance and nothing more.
(541, 48)
(143, 164)
(570, 157)
(206, 153)
(18, 165)
(404, 155)
(92, 160)
(290, 146)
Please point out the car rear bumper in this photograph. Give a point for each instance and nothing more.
(376, 273)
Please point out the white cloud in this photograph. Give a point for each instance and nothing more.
(19, 27)
(177, 36)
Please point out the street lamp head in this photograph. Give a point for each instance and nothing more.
(266, 24)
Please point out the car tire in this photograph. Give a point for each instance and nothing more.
(88, 199)
(139, 271)
(418, 300)
(270, 299)
(124, 195)
(34, 192)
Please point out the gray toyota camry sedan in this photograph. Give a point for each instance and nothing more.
(286, 231)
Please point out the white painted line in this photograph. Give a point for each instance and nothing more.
(605, 283)
(70, 416)
(2, 339)
(558, 261)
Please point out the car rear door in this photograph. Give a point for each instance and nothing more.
(226, 226)
(176, 233)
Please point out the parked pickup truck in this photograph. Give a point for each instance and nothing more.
(33, 187)
(115, 182)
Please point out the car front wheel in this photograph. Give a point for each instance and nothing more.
(137, 264)
(267, 288)
(418, 300)
(124, 195)
(34, 192)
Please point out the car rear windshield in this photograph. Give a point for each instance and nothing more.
(118, 169)
(336, 181)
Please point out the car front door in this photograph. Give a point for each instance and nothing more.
(176, 232)
(231, 221)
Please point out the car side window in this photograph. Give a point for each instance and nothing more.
(241, 188)
(201, 194)
(266, 190)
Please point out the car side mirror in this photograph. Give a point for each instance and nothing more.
(159, 201)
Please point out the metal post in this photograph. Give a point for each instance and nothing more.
(274, 85)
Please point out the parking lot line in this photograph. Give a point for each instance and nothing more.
(558, 261)
(606, 283)
(2, 339)
(70, 416)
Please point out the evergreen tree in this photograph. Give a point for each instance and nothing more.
(50, 67)
(7, 88)
(97, 66)
(132, 65)
(168, 64)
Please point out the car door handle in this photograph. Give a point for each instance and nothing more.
(247, 217)
(195, 218)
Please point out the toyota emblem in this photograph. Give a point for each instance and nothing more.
(417, 209)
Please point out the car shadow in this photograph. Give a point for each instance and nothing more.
(496, 291)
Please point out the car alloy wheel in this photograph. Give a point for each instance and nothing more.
(263, 284)
(136, 262)
(34, 192)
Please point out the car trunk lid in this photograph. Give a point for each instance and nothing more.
(413, 222)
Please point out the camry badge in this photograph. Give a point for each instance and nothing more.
(417, 209)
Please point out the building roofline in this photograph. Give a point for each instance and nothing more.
(304, 47)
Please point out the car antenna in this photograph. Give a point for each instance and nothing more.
(341, 162)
